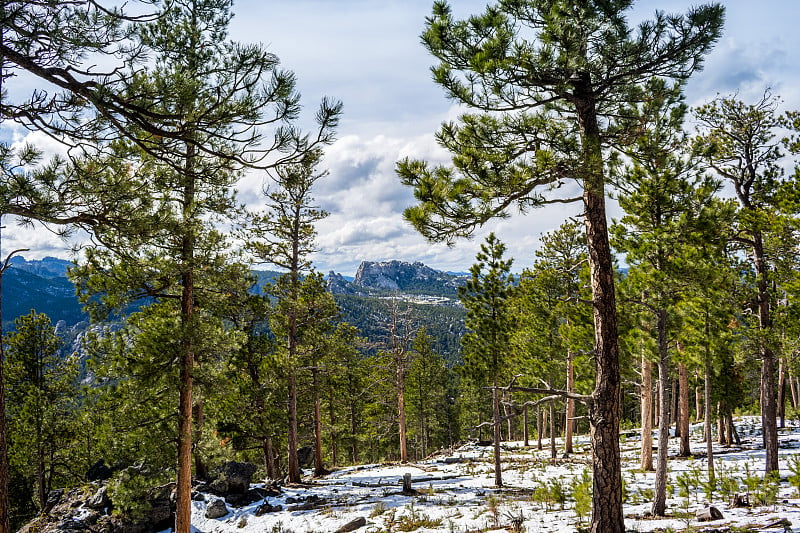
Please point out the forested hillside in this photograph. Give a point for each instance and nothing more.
(195, 343)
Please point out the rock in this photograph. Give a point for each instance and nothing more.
(216, 509)
(708, 514)
(305, 456)
(52, 500)
(353, 525)
(251, 496)
(99, 471)
(198, 496)
(235, 476)
(218, 487)
(266, 507)
(99, 500)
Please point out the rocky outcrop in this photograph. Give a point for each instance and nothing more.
(404, 276)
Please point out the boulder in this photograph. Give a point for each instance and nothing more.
(99, 500)
(305, 456)
(233, 478)
(708, 514)
(249, 497)
(216, 509)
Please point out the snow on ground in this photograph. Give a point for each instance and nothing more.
(456, 494)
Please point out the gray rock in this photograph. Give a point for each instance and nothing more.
(353, 525)
(216, 509)
(708, 514)
(99, 500)
(234, 478)
(266, 507)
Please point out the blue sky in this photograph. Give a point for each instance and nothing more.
(367, 53)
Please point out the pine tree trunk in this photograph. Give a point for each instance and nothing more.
(768, 405)
(604, 410)
(721, 438)
(269, 463)
(793, 390)
(570, 414)
(698, 402)
(660, 496)
(318, 468)
(707, 415)
(674, 409)
(183, 506)
(782, 392)
(647, 414)
(683, 419)
(539, 428)
(293, 466)
(401, 411)
(553, 430)
(498, 477)
(525, 434)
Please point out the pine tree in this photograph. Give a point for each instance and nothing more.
(42, 391)
(284, 236)
(487, 354)
(742, 144)
(545, 81)
(669, 211)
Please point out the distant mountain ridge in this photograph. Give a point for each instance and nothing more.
(376, 277)
(42, 284)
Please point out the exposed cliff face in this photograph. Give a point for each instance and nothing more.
(405, 277)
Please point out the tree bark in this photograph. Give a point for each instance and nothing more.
(570, 411)
(539, 427)
(782, 392)
(793, 389)
(647, 415)
(768, 405)
(318, 467)
(660, 495)
(707, 415)
(525, 434)
(683, 418)
(498, 476)
(698, 403)
(553, 452)
(269, 458)
(183, 509)
(293, 466)
(604, 410)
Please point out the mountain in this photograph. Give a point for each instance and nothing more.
(373, 278)
(41, 285)
(431, 294)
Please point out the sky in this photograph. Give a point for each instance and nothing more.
(367, 53)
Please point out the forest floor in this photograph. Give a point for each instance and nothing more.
(455, 492)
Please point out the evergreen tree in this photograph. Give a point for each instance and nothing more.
(546, 81)
(284, 236)
(42, 394)
(744, 145)
(429, 410)
(487, 347)
(669, 210)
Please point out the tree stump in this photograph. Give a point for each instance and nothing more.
(407, 490)
(740, 500)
